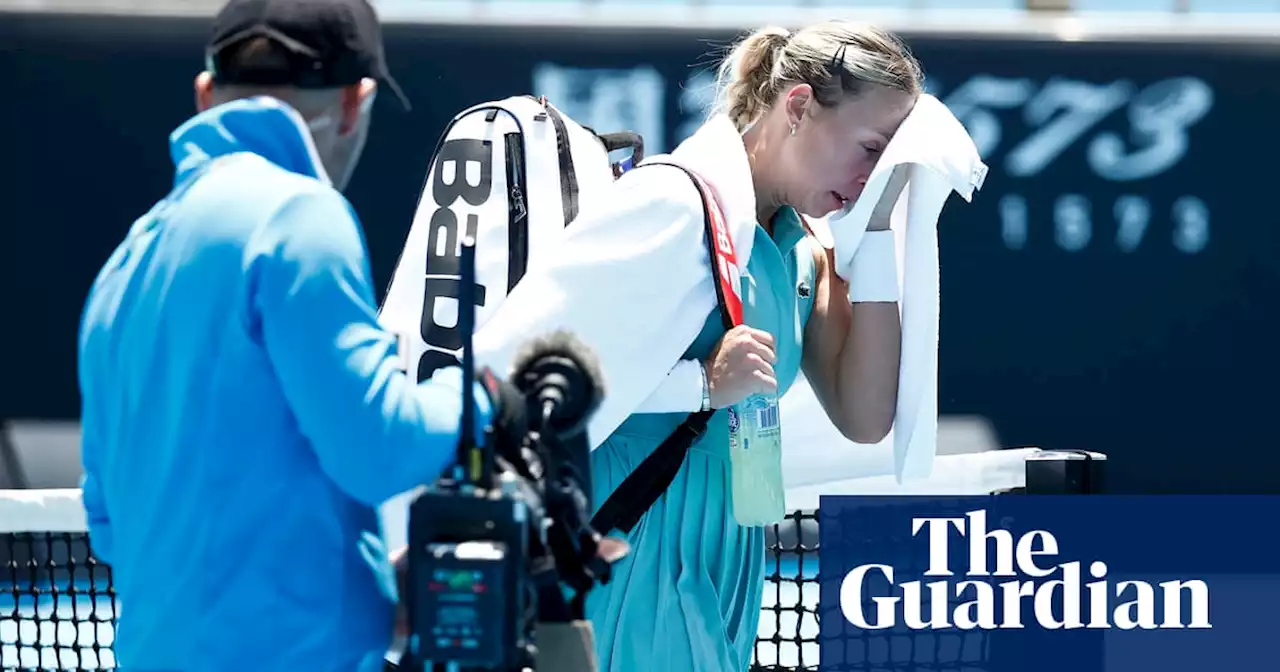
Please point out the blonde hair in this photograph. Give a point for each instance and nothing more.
(836, 58)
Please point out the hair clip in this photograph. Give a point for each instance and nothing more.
(837, 59)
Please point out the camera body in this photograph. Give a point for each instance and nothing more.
(468, 596)
(497, 546)
(491, 562)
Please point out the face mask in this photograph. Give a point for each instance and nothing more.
(328, 119)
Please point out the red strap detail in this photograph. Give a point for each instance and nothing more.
(726, 266)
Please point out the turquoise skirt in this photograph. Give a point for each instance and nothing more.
(687, 598)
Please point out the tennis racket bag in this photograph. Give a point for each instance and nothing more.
(510, 174)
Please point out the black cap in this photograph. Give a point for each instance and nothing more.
(330, 43)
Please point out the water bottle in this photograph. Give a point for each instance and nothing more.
(755, 455)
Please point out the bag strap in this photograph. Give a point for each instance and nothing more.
(650, 479)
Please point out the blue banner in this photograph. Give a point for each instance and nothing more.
(1050, 584)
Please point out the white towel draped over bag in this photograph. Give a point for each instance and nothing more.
(631, 277)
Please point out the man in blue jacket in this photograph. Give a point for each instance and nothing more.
(243, 413)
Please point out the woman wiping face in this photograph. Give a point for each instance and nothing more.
(803, 119)
(818, 108)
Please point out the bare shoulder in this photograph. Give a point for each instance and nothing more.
(821, 257)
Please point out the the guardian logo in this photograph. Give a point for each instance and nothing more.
(1054, 595)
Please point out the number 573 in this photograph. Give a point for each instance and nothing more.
(1062, 112)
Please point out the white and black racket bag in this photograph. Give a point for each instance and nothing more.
(512, 174)
(509, 173)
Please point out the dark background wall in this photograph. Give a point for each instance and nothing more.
(1113, 287)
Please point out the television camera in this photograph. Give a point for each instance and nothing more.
(501, 550)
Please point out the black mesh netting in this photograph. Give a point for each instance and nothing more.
(58, 607)
(57, 604)
(789, 634)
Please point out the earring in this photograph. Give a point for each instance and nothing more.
(793, 130)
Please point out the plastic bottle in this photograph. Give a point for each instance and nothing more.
(755, 455)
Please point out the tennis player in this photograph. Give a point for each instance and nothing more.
(804, 117)
(243, 413)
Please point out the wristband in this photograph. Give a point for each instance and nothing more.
(873, 271)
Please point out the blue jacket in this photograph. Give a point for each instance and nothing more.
(244, 414)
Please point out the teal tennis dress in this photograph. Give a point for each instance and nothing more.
(687, 598)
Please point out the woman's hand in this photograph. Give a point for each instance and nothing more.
(741, 365)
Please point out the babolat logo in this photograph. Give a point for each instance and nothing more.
(1011, 583)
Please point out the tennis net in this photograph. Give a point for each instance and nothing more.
(58, 606)
(57, 603)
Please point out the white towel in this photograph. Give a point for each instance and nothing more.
(935, 153)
